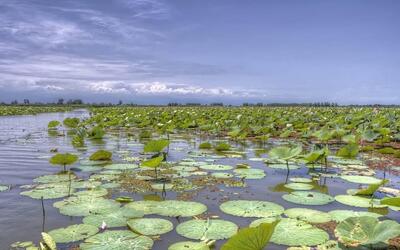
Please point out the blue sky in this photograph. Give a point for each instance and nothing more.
(234, 51)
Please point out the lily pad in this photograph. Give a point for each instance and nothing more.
(48, 192)
(358, 201)
(250, 173)
(216, 167)
(308, 215)
(283, 166)
(117, 240)
(222, 175)
(292, 232)
(73, 233)
(87, 205)
(366, 230)
(300, 180)
(171, 208)
(248, 208)
(150, 226)
(299, 186)
(4, 188)
(361, 179)
(121, 166)
(116, 218)
(207, 229)
(189, 245)
(308, 198)
(257, 222)
(341, 215)
(54, 178)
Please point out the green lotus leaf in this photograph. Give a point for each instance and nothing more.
(216, 167)
(155, 146)
(189, 245)
(248, 208)
(48, 241)
(117, 218)
(73, 233)
(361, 179)
(71, 122)
(341, 215)
(358, 201)
(63, 159)
(292, 232)
(153, 162)
(210, 229)
(101, 155)
(121, 166)
(162, 186)
(308, 215)
(54, 178)
(252, 238)
(53, 124)
(222, 175)
(308, 198)
(284, 153)
(371, 189)
(283, 166)
(250, 173)
(257, 222)
(48, 192)
(171, 208)
(300, 180)
(329, 245)
(150, 226)
(391, 201)
(299, 186)
(87, 205)
(117, 240)
(95, 192)
(366, 230)
(4, 188)
(185, 168)
(349, 151)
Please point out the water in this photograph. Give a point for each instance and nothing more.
(25, 148)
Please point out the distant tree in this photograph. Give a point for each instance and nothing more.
(120, 102)
(26, 101)
(15, 102)
(60, 101)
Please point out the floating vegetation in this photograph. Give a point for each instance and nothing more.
(138, 176)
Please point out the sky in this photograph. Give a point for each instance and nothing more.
(231, 51)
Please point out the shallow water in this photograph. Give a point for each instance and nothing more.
(25, 147)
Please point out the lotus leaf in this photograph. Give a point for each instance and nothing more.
(357, 201)
(121, 166)
(257, 222)
(171, 208)
(248, 208)
(391, 201)
(87, 205)
(48, 192)
(4, 188)
(361, 179)
(117, 218)
(101, 155)
(283, 166)
(250, 173)
(300, 180)
(299, 186)
(308, 215)
(211, 229)
(253, 238)
(150, 226)
(341, 215)
(189, 245)
(222, 175)
(73, 233)
(308, 198)
(366, 230)
(284, 153)
(117, 240)
(216, 167)
(292, 232)
(54, 178)
(155, 146)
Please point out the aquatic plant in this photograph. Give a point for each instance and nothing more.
(284, 153)
(63, 159)
(101, 155)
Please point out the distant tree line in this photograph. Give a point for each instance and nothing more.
(80, 102)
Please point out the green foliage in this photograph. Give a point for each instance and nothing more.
(205, 145)
(101, 155)
(387, 150)
(222, 146)
(96, 133)
(391, 201)
(255, 238)
(153, 162)
(156, 146)
(367, 148)
(63, 159)
(371, 189)
(145, 134)
(284, 153)
(53, 124)
(316, 155)
(71, 122)
(349, 151)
